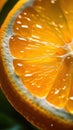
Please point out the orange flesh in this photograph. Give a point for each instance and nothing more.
(42, 49)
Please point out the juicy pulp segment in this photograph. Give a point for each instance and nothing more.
(68, 12)
(59, 92)
(42, 50)
(56, 20)
(36, 76)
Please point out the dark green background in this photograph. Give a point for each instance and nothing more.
(9, 118)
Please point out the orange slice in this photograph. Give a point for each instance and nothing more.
(36, 62)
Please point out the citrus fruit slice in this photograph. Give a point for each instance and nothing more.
(36, 62)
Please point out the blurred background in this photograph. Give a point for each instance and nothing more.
(9, 118)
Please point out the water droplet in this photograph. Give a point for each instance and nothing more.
(61, 26)
(21, 51)
(54, 24)
(33, 84)
(38, 26)
(25, 13)
(56, 91)
(28, 75)
(36, 37)
(38, 86)
(17, 28)
(19, 16)
(19, 22)
(71, 98)
(21, 38)
(64, 88)
(27, 18)
(24, 26)
(53, 1)
(19, 64)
